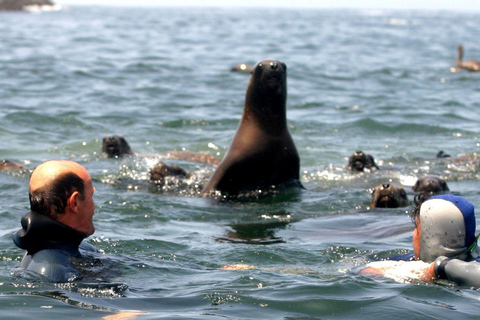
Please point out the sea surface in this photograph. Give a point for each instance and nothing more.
(371, 80)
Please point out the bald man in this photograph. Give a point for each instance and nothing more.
(61, 216)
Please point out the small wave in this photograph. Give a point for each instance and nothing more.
(34, 119)
(371, 125)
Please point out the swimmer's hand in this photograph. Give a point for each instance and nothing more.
(429, 273)
(237, 267)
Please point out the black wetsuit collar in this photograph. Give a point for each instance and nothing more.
(41, 232)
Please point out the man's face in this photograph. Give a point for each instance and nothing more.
(87, 208)
(417, 236)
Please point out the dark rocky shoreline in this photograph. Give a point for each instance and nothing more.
(19, 5)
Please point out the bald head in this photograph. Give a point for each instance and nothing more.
(52, 183)
(50, 171)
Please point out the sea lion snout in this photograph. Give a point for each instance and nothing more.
(273, 65)
(387, 195)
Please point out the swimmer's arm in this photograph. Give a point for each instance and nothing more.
(237, 267)
(425, 274)
(461, 272)
(372, 270)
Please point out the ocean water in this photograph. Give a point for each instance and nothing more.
(377, 81)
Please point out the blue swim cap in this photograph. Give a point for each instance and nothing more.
(468, 211)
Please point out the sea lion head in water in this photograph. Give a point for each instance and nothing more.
(161, 170)
(359, 161)
(262, 153)
(430, 183)
(116, 146)
(428, 186)
(388, 196)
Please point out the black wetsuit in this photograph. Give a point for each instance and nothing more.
(53, 249)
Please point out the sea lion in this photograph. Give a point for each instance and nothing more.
(388, 196)
(430, 183)
(262, 153)
(9, 165)
(116, 147)
(441, 154)
(472, 66)
(242, 67)
(161, 170)
(360, 161)
(428, 186)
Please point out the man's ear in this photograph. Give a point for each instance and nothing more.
(73, 201)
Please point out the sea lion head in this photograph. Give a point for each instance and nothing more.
(161, 170)
(388, 196)
(430, 183)
(268, 80)
(116, 146)
(428, 186)
(359, 161)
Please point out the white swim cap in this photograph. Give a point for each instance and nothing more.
(448, 227)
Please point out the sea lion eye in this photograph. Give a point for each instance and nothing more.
(273, 65)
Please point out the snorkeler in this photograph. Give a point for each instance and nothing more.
(62, 209)
(444, 238)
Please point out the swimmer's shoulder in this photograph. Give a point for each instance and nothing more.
(51, 265)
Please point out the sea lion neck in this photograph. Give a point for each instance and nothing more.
(266, 96)
(266, 111)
